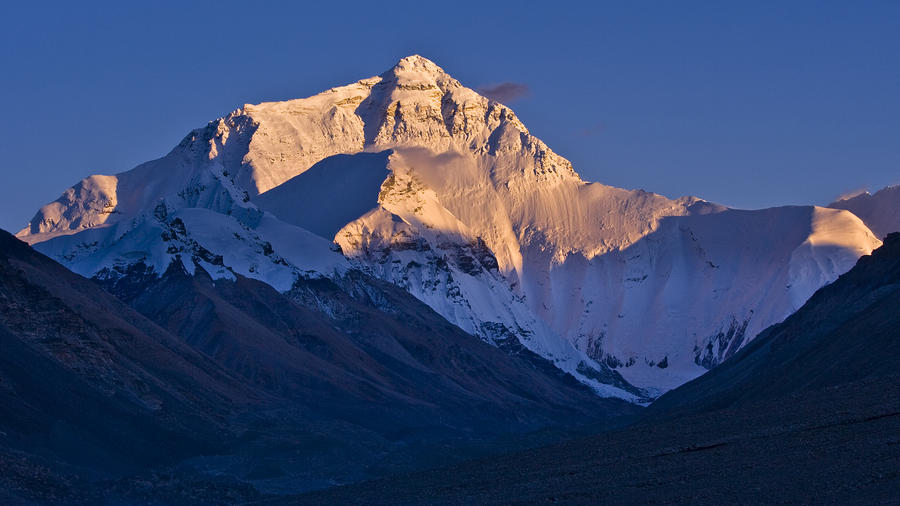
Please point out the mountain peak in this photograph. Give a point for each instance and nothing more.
(417, 72)
(416, 63)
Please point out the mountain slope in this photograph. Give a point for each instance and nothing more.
(243, 390)
(848, 331)
(413, 178)
(807, 412)
(832, 446)
(327, 340)
(85, 378)
(880, 211)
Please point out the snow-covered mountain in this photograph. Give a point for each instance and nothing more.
(420, 181)
(880, 211)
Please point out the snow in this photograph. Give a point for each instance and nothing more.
(837, 240)
(879, 211)
(428, 185)
(273, 251)
(311, 200)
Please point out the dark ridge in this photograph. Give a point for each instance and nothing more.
(202, 390)
(807, 413)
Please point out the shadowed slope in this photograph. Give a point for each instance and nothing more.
(831, 446)
(83, 378)
(880, 210)
(808, 412)
(847, 331)
(330, 194)
(335, 381)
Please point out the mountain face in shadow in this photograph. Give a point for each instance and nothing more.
(848, 331)
(83, 377)
(809, 412)
(880, 210)
(235, 390)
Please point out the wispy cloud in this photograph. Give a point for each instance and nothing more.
(593, 130)
(506, 93)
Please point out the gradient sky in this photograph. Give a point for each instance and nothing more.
(751, 105)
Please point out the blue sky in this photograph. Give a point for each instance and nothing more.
(749, 104)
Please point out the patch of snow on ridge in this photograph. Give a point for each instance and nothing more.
(837, 240)
(274, 252)
(88, 204)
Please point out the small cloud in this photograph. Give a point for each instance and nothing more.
(592, 130)
(504, 92)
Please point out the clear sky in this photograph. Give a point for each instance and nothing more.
(750, 104)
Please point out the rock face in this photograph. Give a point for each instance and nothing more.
(413, 178)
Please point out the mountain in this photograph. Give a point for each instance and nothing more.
(809, 412)
(848, 331)
(880, 211)
(419, 181)
(87, 383)
(77, 360)
(183, 387)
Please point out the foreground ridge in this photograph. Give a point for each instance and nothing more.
(808, 412)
